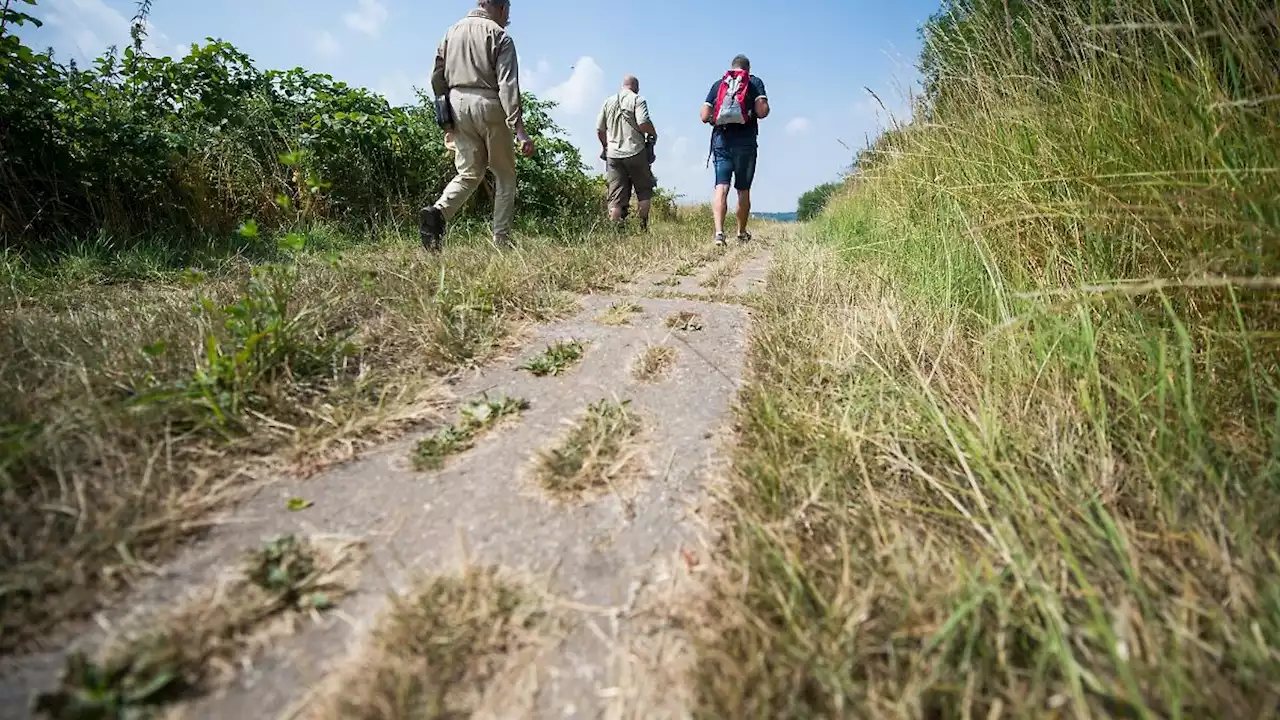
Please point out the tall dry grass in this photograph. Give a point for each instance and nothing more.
(1013, 443)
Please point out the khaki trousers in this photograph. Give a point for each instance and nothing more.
(483, 141)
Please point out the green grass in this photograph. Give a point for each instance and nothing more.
(988, 465)
(556, 359)
(432, 451)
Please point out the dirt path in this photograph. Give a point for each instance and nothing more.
(608, 560)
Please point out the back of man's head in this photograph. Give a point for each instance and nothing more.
(631, 82)
(742, 63)
(498, 11)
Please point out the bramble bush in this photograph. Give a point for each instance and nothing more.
(138, 146)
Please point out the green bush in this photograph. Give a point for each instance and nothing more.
(136, 147)
(812, 202)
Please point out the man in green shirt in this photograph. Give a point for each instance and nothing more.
(627, 137)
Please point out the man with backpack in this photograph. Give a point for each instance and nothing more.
(733, 108)
(476, 82)
(627, 137)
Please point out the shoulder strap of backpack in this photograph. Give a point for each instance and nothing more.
(631, 119)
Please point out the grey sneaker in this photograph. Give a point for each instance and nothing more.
(744, 237)
(431, 226)
(503, 242)
(720, 239)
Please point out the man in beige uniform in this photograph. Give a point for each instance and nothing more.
(622, 126)
(476, 68)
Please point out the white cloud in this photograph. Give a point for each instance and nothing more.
(581, 91)
(85, 28)
(533, 79)
(368, 17)
(398, 88)
(797, 126)
(326, 45)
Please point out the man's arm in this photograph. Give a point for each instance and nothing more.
(762, 100)
(439, 85)
(709, 106)
(602, 128)
(509, 84)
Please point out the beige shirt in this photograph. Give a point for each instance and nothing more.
(477, 53)
(620, 118)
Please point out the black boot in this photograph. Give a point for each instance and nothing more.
(431, 226)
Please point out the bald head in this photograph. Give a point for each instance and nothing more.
(631, 82)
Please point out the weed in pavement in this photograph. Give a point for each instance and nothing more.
(558, 357)
(594, 452)
(432, 451)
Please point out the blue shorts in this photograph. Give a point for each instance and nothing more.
(737, 164)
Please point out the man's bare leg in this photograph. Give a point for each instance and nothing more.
(720, 207)
(642, 209)
(744, 211)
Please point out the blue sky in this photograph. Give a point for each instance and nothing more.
(815, 57)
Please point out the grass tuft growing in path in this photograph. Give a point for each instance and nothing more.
(432, 451)
(685, 320)
(619, 313)
(594, 453)
(558, 357)
(441, 651)
(653, 362)
(720, 276)
(194, 648)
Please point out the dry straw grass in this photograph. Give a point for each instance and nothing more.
(594, 456)
(450, 647)
(114, 448)
(619, 313)
(653, 363)
(721, 274)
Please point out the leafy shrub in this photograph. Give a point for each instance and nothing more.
(812, 202)
(136, 146)
(262, 342)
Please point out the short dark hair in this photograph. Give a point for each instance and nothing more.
(741, 63)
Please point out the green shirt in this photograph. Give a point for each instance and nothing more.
(620, 119)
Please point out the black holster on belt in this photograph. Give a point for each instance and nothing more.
(444, 112)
